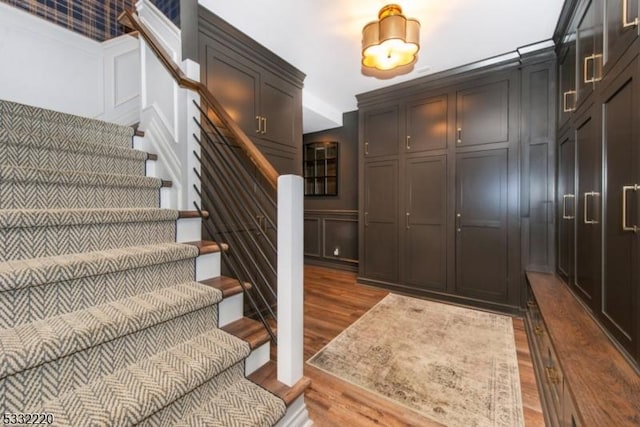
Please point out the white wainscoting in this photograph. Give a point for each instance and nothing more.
(52, 67)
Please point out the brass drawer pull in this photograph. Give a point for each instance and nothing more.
(531, 304)
(538, 331)
(595, 75)
(626, 227)
(625, 15)
(552, 375)
(564, 206)
(565, 104)
(593, 194)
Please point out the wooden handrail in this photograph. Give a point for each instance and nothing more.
(131, 20)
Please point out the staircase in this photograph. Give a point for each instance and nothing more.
(102, 321)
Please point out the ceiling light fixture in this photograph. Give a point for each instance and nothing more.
(391, 41)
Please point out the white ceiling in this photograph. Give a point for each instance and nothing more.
(322, 38)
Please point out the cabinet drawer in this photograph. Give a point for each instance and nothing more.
(552, 374)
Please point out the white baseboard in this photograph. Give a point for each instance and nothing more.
(296, 415)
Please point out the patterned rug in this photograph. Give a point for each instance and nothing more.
(453, 365)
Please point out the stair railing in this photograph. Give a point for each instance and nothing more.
(245, 209)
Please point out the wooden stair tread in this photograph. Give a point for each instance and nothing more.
(248, 330)
(193, 214)
(267, 378)
(582, 347)
(152, 156)
(138, 133)
(166, 183)
(228, 285)
(207, 246)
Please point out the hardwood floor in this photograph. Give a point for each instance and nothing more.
(332, 302)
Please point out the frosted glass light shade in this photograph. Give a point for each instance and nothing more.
(390, 42)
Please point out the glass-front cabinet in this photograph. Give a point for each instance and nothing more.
(321, 168)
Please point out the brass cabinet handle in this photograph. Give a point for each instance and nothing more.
(531, 304)
(552, 375)
(625, 14)
(408, 142)
(564, 206)
(586, 204)
(259, 129)
(586, 63)
(626, 227)
(264, 125)
(565, 104)
(366, 148)
(366, 219)
(538, 330)
(459, 136)
(458, 216)
(407, 220)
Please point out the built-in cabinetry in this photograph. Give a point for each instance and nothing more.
(598, 168)
(260, 91)
(583, 378)
(584, 322)
(439, 184)
(321, 168)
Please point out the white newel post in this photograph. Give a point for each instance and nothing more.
(290, 279)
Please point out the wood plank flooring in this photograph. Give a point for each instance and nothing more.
(333, 301)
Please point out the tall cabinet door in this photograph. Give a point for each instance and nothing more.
(380, 231)
(621, 288)
(481, 225)
(589, 202)
(566, 206)
(425, 246)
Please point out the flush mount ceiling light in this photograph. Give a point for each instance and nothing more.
(391, 41)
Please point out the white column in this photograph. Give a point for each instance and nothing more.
(290, 279)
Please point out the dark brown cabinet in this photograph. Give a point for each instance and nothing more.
(240, 98)
(280, 111)
(259, 90)
(425, 157)
(598, 253)
(482, 114)
(424, 259)
(567, 206)
(426, 124)
(621, 133)
(481, 225)
(380, 221)
(588, 217)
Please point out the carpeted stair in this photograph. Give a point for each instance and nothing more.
(101, 321)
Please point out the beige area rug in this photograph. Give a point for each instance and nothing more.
(454, 365)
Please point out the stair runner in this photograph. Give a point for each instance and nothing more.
(101, 322)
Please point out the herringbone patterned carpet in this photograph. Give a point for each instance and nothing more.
(101, 323)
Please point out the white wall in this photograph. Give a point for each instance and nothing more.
(51, 67)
